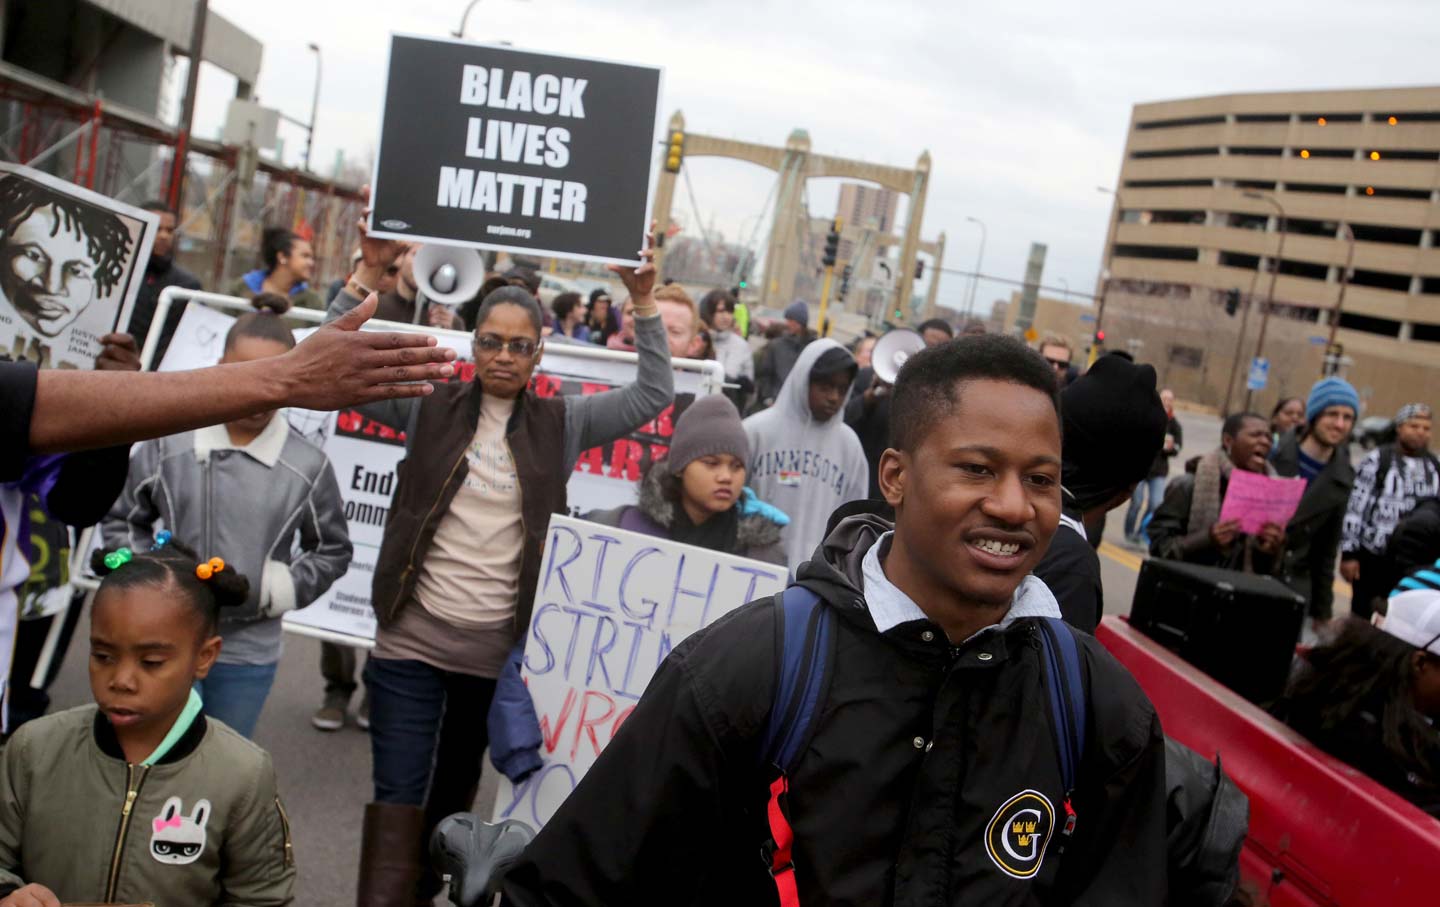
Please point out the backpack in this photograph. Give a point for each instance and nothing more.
(805, 649)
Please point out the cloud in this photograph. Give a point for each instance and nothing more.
(1023, 106)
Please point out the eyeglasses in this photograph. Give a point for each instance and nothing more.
(522, 347)
(1060, 364)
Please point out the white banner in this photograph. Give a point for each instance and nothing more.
(609, 607)
(365, 452)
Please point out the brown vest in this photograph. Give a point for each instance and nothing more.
(432, 472)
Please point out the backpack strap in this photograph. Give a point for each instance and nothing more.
(1065, 686)
(804, 632)
(804, 642)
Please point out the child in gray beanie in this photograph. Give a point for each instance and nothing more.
(697, 495)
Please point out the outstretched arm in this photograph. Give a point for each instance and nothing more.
(339, 365)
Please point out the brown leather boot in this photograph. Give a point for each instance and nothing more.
(390, 849)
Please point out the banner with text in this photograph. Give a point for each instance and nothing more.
(499, 148)
(609, 607)
(365, 451)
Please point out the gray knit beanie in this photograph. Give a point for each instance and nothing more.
(709, 426)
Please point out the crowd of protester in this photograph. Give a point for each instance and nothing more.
(223, 518)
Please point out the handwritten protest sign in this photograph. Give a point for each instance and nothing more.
(495, 147)
(609, 607)
(1255, 500)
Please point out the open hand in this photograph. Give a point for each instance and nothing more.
(341, 365)
(31, 895)
(118, 354)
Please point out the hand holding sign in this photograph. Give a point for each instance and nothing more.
(640, 282)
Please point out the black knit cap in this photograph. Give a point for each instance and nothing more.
(1114, 425)
(835, 359)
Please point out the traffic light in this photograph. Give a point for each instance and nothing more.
(845, 280)
(919, 269)
(845, 274)
(1232, 302)
(832, 245)
(675, 152)
(743, 282)
(1099, 338)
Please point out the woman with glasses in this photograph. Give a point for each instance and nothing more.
(486, 465)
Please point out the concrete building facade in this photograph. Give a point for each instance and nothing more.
(1206, 186)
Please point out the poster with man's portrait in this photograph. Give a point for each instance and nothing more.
(71, 263)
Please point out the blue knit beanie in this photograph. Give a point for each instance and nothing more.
(798, 312)
(1330, 391)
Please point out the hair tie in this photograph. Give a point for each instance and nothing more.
(119, 558)
(162, 538)
(209, 568)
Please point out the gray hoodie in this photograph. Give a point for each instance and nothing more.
(804, 467)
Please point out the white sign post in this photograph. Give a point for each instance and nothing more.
(610, 605)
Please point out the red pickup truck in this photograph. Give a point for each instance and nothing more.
(1321, 833)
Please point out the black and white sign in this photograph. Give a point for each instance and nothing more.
(71, 262)
(499, 148)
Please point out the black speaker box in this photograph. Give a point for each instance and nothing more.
(1239, 628)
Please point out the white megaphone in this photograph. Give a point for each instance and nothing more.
(891, 351)
(448, 275)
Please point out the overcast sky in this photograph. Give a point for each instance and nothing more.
(1023, 106)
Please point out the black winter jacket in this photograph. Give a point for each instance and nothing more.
(1312, 537)
(918, 754)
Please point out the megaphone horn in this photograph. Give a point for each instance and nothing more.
(892, 350)
(448, 275)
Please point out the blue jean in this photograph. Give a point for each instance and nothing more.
(427, 733)
(235, 694)
(1152, 491)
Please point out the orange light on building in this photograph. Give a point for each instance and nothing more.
(1321, 121)
(1392, 121)
(1374, 155)
(1304, 152)
(1369, 190)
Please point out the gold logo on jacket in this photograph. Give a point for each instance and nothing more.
(1017, 835)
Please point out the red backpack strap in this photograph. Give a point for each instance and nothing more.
(782, 837)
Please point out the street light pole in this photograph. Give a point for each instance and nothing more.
(1274, 275)
(187, 111)
(1105, 275)
(1349, 236)
(979, 263)
(460, 32)
(1240, 342)
(314, 108)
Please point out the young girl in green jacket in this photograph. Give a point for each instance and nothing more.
(139, 798)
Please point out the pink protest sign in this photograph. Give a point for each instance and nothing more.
(1255, 500)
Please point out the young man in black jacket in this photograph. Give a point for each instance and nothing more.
(934, 735)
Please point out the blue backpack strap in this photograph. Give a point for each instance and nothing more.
(804, 643)
(804, 633)
(1065, 686)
